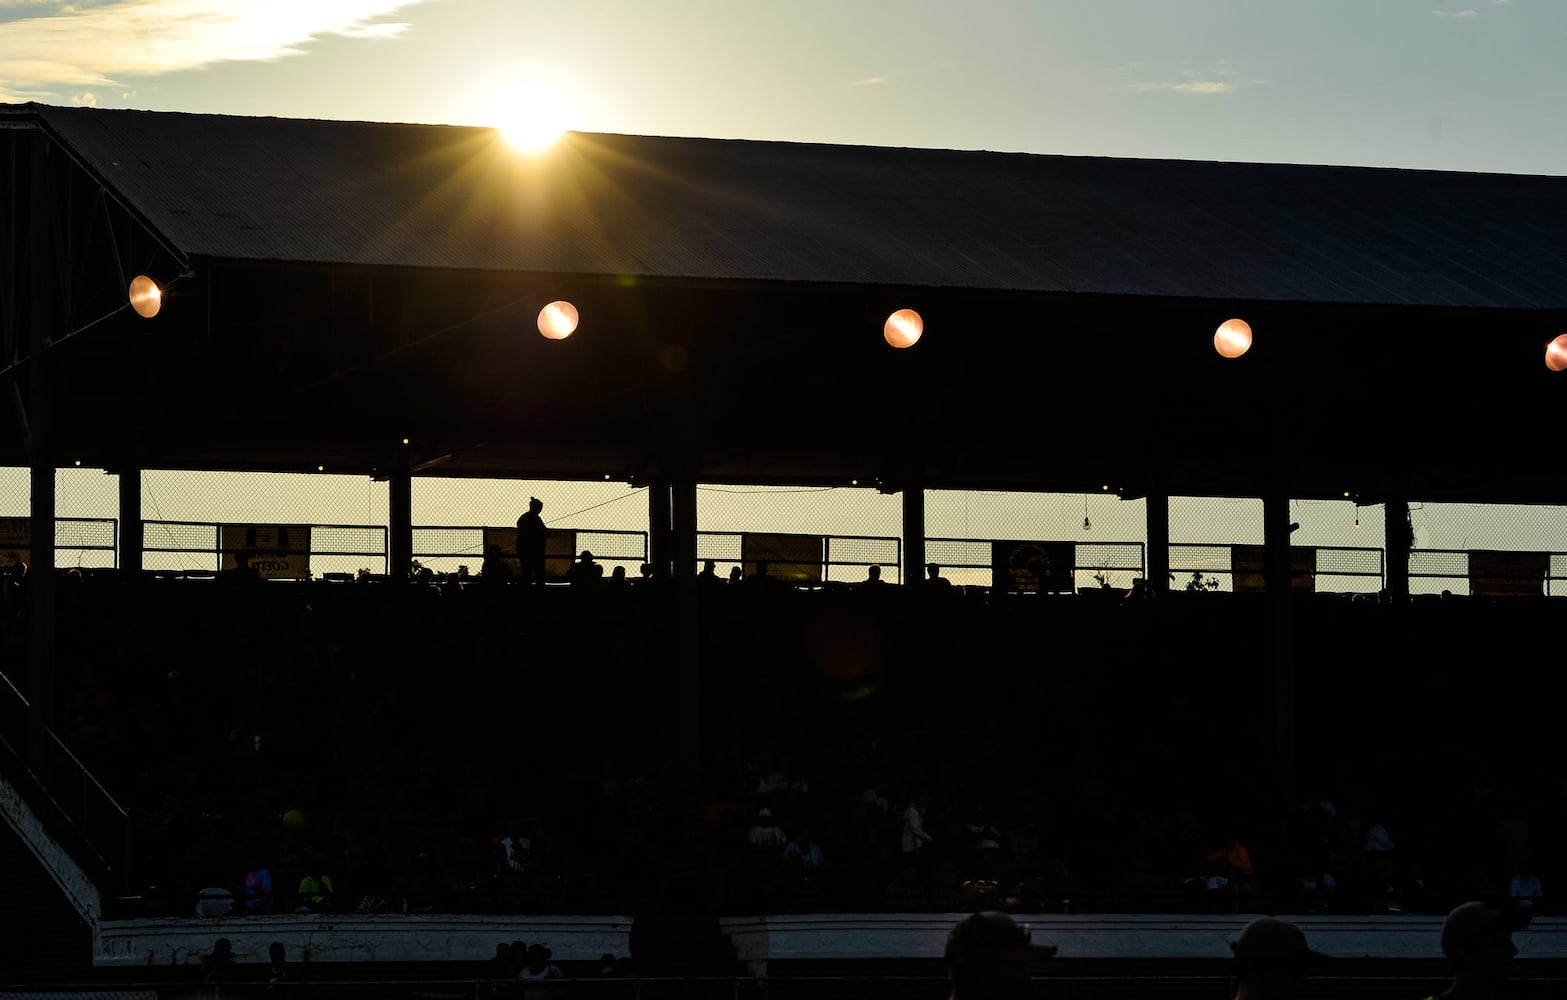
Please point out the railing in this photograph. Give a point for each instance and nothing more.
(62, 788)
(1345, 569)
(843, 559)
(1435, 570)
(94, 541)
(183, 546)
(448, 549)
(969, 561)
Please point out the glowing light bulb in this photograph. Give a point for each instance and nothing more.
(146, 297)
(1232, 338)
(558, 320)
(903, 328)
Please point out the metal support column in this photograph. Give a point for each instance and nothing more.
(660, 529)
(688, 647)
(132, 533)
(1280, 611)
(1157, 512)
(400, 531)
(1395, 524)
(913, 532)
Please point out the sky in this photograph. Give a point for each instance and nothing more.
(1475, 85)
(1442, 84)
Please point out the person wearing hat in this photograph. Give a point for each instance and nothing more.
(1478, 939)
(1271, 959)
(530, 542)
(989, 957)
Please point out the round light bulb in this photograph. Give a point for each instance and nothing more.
(558, 320)
(1232, 338)
(903, 328)
(146, 297)
(1556, 354)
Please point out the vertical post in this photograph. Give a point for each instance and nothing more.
(42, 297)
(688, 651)
(1395, 525)
(400, 531)
(913, 531)
(132, 533)
(1157, 511)
(660, 528)
(1280, 610)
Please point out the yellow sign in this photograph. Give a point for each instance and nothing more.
(795, 558)
(274, 551)
(1508, 574)
(1248, 568)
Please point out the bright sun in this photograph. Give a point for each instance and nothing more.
(531, 118)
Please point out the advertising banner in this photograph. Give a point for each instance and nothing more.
(275, 551)
(1032, 567)
(794, 558)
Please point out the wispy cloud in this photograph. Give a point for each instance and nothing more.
(870, 81)
(1189, 86)
(1456, 13)
(1220, 77)
(49, 54)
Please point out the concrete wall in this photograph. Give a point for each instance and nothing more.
(349, 938)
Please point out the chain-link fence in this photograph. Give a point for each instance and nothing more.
(1340, 545)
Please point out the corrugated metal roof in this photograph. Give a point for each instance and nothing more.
(428, 196)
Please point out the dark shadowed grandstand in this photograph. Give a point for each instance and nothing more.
(789, 784)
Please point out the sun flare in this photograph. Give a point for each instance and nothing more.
(531, 119)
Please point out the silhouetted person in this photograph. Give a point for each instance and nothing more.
(1271, 960)
(530, 542)
(242, 572)
(585, 572)
(617, 578)
(1477, 939)
(709, 574)
(989, 957)
(934, 578)
(277, 967)
(495, 572)
(735, 574)
(219, 969)
(873, 578)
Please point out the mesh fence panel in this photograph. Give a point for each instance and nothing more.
(1109, 533)
(350, 514)
(849, 558)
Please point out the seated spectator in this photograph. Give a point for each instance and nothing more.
(804, 844)
(316, 893)
(539, 974)
(873, 580)
(933, 577)
(219, 968)
(585, 572)
(258, 889)
(495, 569)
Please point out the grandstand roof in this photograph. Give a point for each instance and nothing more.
(425, 196)
(350, 284)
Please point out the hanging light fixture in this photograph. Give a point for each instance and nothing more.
(146, 297)
(1232, 338)
(903, 328)
(1556, 354)
(558, 320)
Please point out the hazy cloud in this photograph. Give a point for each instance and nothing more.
(50, 53)
(1455, 13)
(1189, 86)
(86, 99)
(1220, 77)
(869, 81)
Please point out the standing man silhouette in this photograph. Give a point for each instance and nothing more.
(530, 542)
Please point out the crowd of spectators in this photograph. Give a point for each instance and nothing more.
(449, 746)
